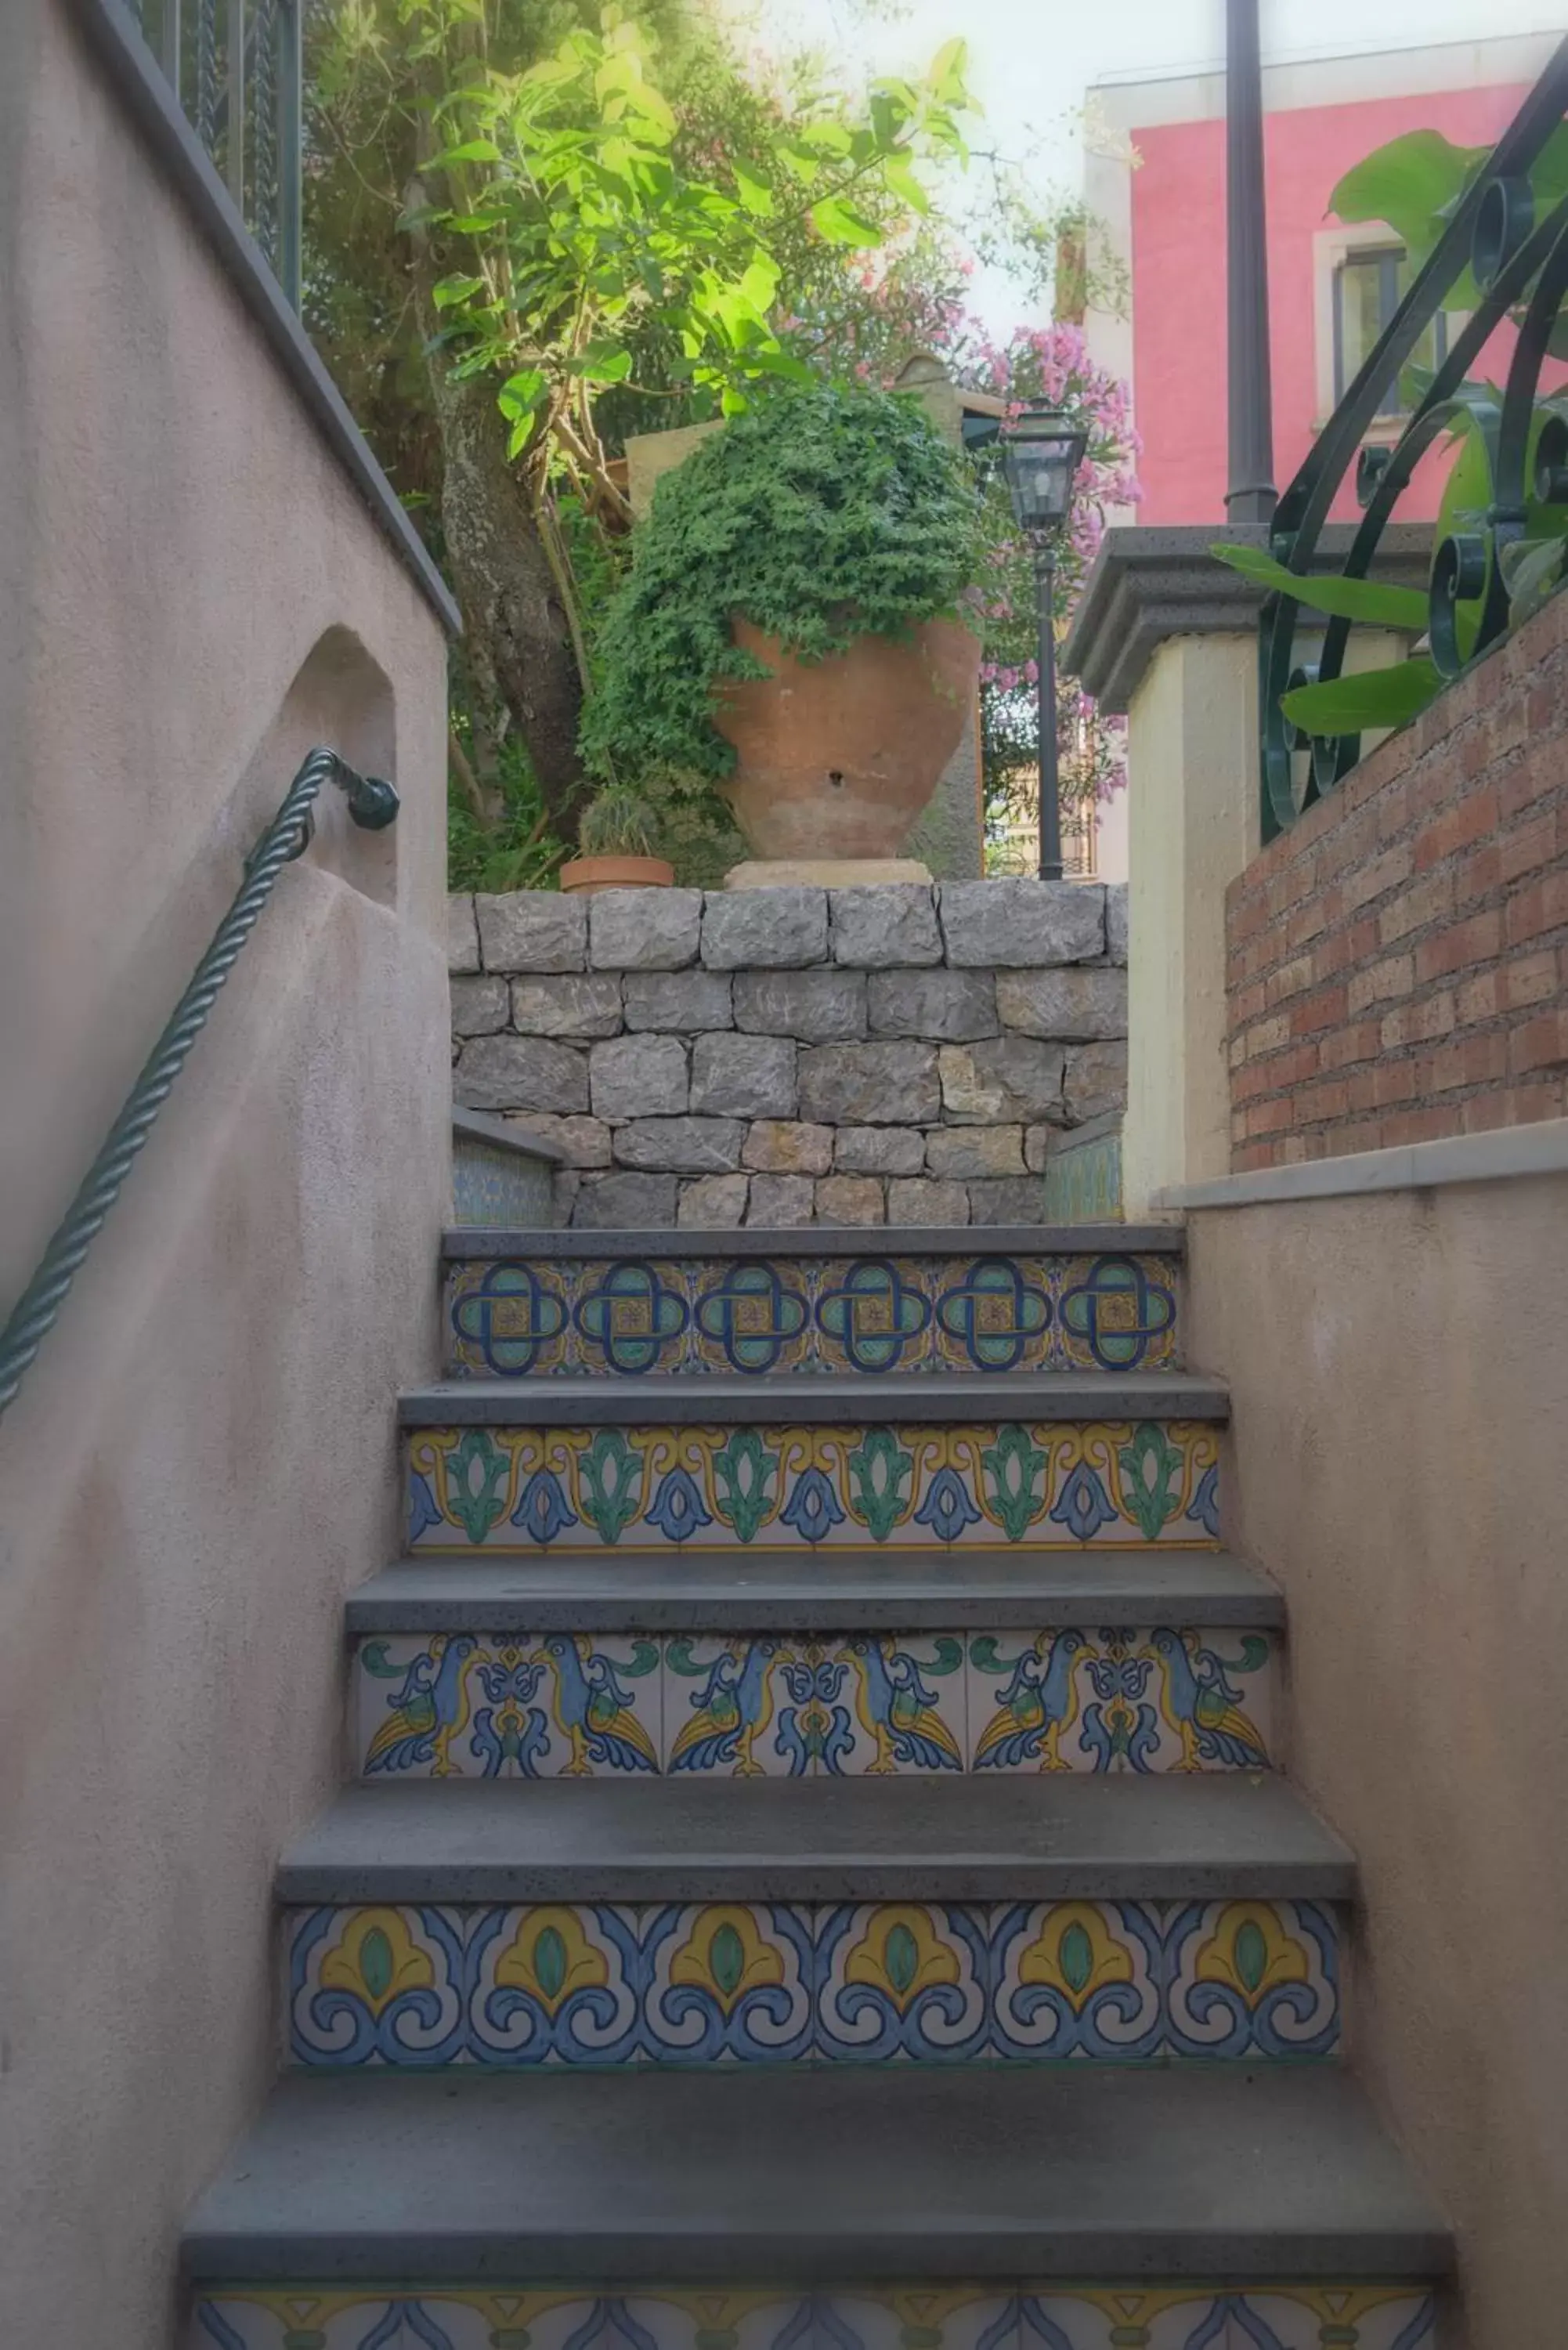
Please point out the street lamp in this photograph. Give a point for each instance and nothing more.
(1041, 452)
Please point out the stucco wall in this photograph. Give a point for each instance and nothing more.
(1399, 1397)
(191, 594)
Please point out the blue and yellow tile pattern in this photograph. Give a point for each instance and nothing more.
(594, 1984)
(1052, 1485)
(516, 1317)
(813, 1704)
(943, 2316)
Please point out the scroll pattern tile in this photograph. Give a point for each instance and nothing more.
(1052, 1485)
(937, 2317)
(592, 1984)
(478, 1705)
(516, 1317)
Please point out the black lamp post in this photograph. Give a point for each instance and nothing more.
(1041, 452)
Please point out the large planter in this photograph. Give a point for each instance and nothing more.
(584, 875)
(837, 757)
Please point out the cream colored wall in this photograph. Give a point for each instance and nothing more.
(1191, 826)
(191, 594)
(1400, 1393)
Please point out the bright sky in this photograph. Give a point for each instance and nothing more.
(1032, 60)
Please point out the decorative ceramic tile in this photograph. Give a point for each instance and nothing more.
(890, 2317)
(892, 1703)
(903, 1979)
(1074, 1698)
(492, 1705)
(738, 1709)
(473, 1705)
(495, 1186)
(1052, 1485)
(595, 1983)
(515, 1317)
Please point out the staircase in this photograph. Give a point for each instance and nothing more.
(817, 1874)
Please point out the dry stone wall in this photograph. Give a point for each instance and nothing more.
(899, 1054)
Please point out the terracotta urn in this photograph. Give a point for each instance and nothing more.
(587, 874)
(836, 758)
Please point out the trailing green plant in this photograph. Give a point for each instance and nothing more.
(617, 822)
(820, 516)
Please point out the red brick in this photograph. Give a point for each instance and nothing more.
(1477, 875)
(1419, 1023)
(1358, 1042)
(1393, 1082)
(1246, 1157)
(1381, 982)
(1474, 817)
(1465, 1061)
(1525, 1105)
(1308, 921)
(1324, 1009)
(1461, 946)
(1329, 1097)
(1540, 906)
(1426, 902)
(1374, 879)
(1246, 1004)
(1289, 979)
(1423, 1125)
(1543, 766)
(1524, 846)
(1393, 811)
(1540, 1044)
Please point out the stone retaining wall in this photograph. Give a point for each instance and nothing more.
(896, 1055)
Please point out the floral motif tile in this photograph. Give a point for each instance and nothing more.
(892, 2317)
(1161, 1699)
(515, 1317)
(597, 1983)
(1054, 1485)
(892, 1703)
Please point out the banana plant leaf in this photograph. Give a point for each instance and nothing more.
(1370, 600)
(1371, 697)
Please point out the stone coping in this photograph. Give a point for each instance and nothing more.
(473, 1125)
(1150, 584)
(793, 1400)
(822, 1240)
(1505, 1154)
(114, 35)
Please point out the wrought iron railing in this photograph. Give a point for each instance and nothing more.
(1514, 239)
(236, 67)
(372, 805)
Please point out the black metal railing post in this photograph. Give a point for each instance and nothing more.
(1249, 499)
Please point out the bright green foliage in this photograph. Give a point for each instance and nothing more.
(1369, 697)
(589, 227)
(819, 516)
(618, 823)
(1330, 591)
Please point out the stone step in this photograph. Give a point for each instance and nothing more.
(890, 1590)
(1017, 1697)
(755, 1304)
(935, 2315)
(1197, 1838)
(1001, 2178)
(1051, 1460)
(430, 1926)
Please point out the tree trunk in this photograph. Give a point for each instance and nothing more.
(511, 610)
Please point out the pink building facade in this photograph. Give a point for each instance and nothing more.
(1155, 183)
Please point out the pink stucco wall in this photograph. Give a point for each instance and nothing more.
(1178, 283)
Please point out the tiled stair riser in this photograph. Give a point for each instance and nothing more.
(936, 2317)
(793, 1982)
(861, 1315)
(578, 1705)
(1042, 1485)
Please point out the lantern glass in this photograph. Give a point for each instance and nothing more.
(1041, 452)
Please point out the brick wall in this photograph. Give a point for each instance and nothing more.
(1397, 962)
(897, 1055)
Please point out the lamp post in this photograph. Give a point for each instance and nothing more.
(1042, 450)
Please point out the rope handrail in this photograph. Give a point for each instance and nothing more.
(372, 805)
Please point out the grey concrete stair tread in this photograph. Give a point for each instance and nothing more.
(823, 1240)
(842, 2173)
(473, 1125)
(873, 1590)
(657, 1399)
(1222, 1835)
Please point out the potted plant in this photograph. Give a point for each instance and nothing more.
(617, 837)
(789, 629)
